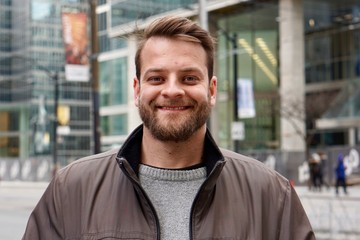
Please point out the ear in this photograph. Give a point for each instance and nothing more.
(213, 90)
(136, 87)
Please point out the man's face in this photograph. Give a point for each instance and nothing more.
(174, 94)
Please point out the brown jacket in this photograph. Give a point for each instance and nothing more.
(240, 199)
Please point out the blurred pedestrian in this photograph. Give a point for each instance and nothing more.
(315, 172)
(170, 180)
(340, 174)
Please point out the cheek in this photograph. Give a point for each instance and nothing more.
(146, 96)
(202, 94)
(200, 97)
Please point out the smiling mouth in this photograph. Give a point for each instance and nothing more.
(173, 108)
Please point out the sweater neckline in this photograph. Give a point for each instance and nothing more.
(172, 174)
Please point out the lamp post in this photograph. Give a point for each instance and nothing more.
(55, 78)
(95, 77)
(233, 40)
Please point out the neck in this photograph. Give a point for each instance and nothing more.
(170, 154)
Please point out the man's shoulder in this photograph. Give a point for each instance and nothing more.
(249, 168)
(96, 158)
(91, 164)
(241, 159)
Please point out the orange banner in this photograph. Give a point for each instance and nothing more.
(76, 46)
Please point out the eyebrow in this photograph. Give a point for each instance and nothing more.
(191, 69)
(153, 70)
(184, 70)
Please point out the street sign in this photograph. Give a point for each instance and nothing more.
(237, 131)
(63, 130)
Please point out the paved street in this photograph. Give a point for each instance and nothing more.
(332, 217)
(17, 199)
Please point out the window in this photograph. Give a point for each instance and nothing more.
(113, 82)
(114, 125)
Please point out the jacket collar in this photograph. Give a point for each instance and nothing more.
(131, 150)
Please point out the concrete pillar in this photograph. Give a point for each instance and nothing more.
(352, 137)
(292, 78)
(23, 137)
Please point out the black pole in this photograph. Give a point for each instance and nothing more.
(55, 125)
(235, 66)
(95, 77)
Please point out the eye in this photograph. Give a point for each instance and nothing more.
(155, 79)
(191, 79)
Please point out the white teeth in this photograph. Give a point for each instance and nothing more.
(173, 108)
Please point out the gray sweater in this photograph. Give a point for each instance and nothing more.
(172, 193)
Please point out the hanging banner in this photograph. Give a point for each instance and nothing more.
(63, 115)
(245, 98)
(76, 46)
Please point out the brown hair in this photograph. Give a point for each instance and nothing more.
(179, 28)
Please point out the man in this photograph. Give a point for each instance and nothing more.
(172, 182)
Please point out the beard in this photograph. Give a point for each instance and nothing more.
(175, 127)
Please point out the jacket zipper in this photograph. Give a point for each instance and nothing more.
(145, 195)
(197, 196)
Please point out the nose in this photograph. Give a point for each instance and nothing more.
(172, 89)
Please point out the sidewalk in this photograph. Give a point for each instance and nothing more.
(331, 216)
(353, 192)
(17, 200)
(23, 184)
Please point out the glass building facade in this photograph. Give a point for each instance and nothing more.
(31, 65)
(249, 32)
(113, 81)
(126, 12)
(332, 47)
(248, 43)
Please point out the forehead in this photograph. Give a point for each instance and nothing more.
(172, 49)
(176, 40)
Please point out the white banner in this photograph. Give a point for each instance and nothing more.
(245, 98)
